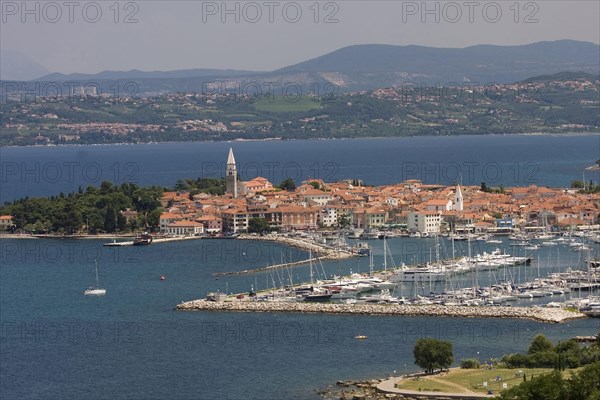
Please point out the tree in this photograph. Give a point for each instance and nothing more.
(343, 221)
(258, 225)
(469, 363)
(540, 343)
(577, 184)
(550, 386)
(288, 184)
(121, 222)
(153, 218)
(110, 220)
(585, 384)
(431, 354)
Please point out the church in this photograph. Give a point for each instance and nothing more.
(235, 187)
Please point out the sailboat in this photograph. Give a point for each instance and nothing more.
(95, 290)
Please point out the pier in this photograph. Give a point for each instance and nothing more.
(268, 268)
(532, 313)
(154, 240)
(325, 251)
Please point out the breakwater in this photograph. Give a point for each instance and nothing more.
(268, 268)
(532, 313)
(324, 251)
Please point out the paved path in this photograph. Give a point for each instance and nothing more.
(389, 386)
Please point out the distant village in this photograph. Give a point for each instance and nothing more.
(409, 205)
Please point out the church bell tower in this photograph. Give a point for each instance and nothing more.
(231, 176)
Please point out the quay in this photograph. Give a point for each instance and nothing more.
(154, 240)
(532, 313)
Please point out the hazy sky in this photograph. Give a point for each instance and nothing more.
(84, 36)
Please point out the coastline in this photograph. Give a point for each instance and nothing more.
(278, 139)
(538, 314)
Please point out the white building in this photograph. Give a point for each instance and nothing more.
(328, 217)
(187, 228)
(392, 201)
(424, 221)
(318, 196)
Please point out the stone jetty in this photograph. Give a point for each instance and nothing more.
(324, 251)
(270, 267)
(540, 314)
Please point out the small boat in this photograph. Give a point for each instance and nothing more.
(525, 295)
(95, 290)
(162, 278)
(115, 243)
(142, 240)
(593, 310)
(318, 297)
(360, 337)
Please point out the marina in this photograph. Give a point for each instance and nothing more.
(485, 284)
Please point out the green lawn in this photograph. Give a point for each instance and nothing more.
(283, 104)
(471, 380)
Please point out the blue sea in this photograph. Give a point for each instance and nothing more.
(57, 343)
(131, 344)
(508, 160)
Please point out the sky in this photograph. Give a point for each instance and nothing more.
(89, 37)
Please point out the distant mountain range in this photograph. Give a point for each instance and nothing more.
(137, 74)
(365, 67)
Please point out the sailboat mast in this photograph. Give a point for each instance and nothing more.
(310, 265)
(96, 263)
(385, 254)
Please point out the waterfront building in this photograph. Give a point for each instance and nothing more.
(6, 222)
(166, 219)
(212, 224)
(186, 228)
(235, 220)
(328, 217)
(298, 218)
(424, 221)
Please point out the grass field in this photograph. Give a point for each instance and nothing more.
(471, 380)
(283, 104)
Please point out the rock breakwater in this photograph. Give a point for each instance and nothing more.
(531, 313)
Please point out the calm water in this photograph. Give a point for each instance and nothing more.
(58, 343)
(508, 160)
(130, 344)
